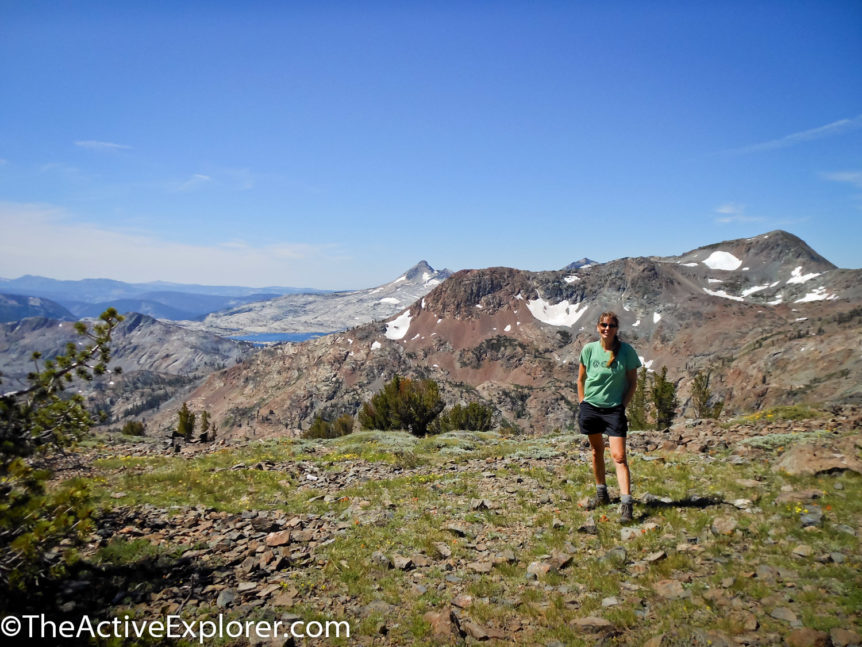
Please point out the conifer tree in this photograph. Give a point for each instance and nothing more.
(663, 399)
(205, 425)
(701, 395)
(186, 422)
(638, 409)
(35, 422)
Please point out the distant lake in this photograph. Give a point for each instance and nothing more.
(266, 338)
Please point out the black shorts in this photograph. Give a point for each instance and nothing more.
(598, 420)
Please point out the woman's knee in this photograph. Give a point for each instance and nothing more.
(619, 457)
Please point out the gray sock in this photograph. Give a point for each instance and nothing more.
(626, 498)
(601, 488)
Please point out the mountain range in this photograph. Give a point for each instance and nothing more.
(773, 320)
(308, 312)
(172, 301)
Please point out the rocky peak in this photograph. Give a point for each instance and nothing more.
(584, 262)
(422, 272)
(489, 288)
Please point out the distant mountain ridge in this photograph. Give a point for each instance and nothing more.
(307, 313)
(14, 307)
(90, 297)
(772, 318)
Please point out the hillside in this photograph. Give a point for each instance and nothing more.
(772, 319)
(471, 537)
(158, 360)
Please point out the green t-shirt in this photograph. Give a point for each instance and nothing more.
(606, 385)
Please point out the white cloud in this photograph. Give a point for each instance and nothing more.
(46, 240)
(195, 181)
(734, 212)
(829, 130)
(95, 145)
(851, 177)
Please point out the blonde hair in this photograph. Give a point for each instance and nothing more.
(615, 348)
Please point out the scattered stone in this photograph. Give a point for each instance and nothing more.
(798, 496)
(504, 557)
(560, 560)
(610, 602)
(281, 538)
(381, 560)
(458, 528)
(226, 598)
(656, 556)
(843, 527)
(481, 567)
(812, 516)
(589, 527)
(593, 624)
(748, 483)
(810, 460)
(806, 637)
(844, 637)
(723, 525)
(536, 569)
(803, 550)
(402, 563)
(783, 613)
(463, 601)
(742, 504)
(443, 549)
(616, 554)
(670, 589)
(712, 638)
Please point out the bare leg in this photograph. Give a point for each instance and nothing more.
(618, 452)
(597, 444)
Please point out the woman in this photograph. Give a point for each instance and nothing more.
(607, 378)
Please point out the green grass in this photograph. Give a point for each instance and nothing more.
(530, 483)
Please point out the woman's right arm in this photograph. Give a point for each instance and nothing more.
(582, 379)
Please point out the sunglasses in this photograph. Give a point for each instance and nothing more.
(607, 325)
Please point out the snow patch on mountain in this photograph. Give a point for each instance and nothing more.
(817, 294)
(756, 288)
(796, 276)
(398, 327)
(560, 314)
(722, 261)
(722, 294)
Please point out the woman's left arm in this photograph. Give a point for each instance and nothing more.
(632, 380)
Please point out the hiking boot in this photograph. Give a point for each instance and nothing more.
(625, 512)
(601, 498)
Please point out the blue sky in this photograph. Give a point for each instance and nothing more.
(335, 144)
